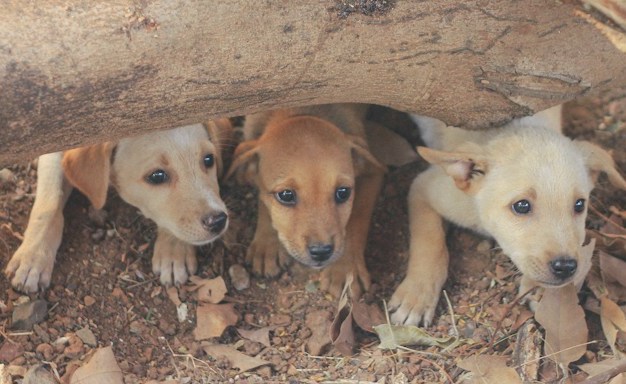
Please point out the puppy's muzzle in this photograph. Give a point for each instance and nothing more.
(215, 223)
(321, 252)
(563, 267)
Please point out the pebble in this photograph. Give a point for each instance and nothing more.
(75, 347)
(28, 314)
(89, 301)
(38, 374)
(45, 350)
(43, 335)
(87, 337)
(239, 277)
(280, 319)
(6, 175)
(9, 351)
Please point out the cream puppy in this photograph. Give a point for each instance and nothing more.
(171, 176)
(525, 184)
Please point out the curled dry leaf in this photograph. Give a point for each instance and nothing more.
(261, 335)
(563, 320)
(366, 316)
(319, 323)
(394, 336)
(100, 369)
(212, 320)
(209, 290)
(341, 331)
(487, 369)
(239, 360)
(613, 320)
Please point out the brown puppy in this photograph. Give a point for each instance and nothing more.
(171, 176)
(318, 184)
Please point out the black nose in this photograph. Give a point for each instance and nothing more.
(563, 267)
(321, 252)
(215, 223)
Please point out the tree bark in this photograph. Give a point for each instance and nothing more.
(80, 71)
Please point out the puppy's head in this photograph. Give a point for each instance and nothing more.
(531, 191)
(171, 176)
(305, 169)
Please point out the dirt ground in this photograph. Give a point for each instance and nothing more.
(103, 281)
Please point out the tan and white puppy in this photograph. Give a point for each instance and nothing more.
(318, 183)
(525, 184)
(171, 176)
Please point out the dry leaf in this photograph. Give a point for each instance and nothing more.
(393, 336)
(100, 369)
(212, 320)
(261, 335)
(341, 332)
(563, 320)
(488, 369)
(172, 293)
(613, 269)
(209, 290)
(366, 316)
(613, 320)
(239, 360)
(319, 323)
(389, 147)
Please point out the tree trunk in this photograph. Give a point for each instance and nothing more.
(80, 71)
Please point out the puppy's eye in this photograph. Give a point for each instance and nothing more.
(209, 161)
(157, 177)
(579, 205)
(286, 197)
(521, 207)
(342, 194)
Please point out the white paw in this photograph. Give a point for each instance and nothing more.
(31, 268)
(173, 260)
(414, 304)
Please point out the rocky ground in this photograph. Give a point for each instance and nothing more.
(103, 293)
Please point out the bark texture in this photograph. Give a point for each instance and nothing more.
(75, 72)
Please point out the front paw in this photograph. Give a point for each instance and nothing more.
(267, 256)
(334, 277)
(31, 268)
(414, 303)
(173, 260)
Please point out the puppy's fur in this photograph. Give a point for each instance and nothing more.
(317, 185)
(171, 176)
(478, 180)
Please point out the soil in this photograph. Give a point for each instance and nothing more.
(103, 281)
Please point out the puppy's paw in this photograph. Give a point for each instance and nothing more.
(31, 268)
(334, 277)
(173, 260)
(414, 304)
(267, 256)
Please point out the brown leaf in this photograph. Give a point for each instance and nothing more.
(366, 316)
(563, 320)
(488, 369)
(319, 324)
(100, 369)
(341, 331)
(239, 360)
(613, 320)
(209, 290)
(261, 335)
(172, 294)
(212, 319)
(613, 269)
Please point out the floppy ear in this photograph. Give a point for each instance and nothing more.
(464, 167)
(361, 155)
(221, 135)
(598, 160)
(245, 161)
(88, 169)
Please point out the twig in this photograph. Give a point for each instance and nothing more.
(456, 331)
(607, 375)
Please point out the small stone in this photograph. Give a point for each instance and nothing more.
(9, 351)
(43, 335)
(89, 301)
(45, 350)
(98, 234)
(87, 337)
(6, 175)
(16, 370)
(38, 374)
(28, 314)
(280, 319)
(75, 347)
(484, 246)
(239, 277)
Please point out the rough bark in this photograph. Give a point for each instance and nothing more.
(79, 71)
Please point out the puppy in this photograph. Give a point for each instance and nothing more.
(525, 184)
(317, 183)
(171, 176)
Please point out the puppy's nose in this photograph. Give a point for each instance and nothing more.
(563, 267)
(215, 223)
(321, 252)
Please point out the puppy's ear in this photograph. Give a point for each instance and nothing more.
(466, 168)
(221, 135)
(362, 157)
(598, 160)
(245, 161)
(88, 169)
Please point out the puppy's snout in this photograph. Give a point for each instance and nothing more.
(321, 252)
(215, 223)
(563, 267)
